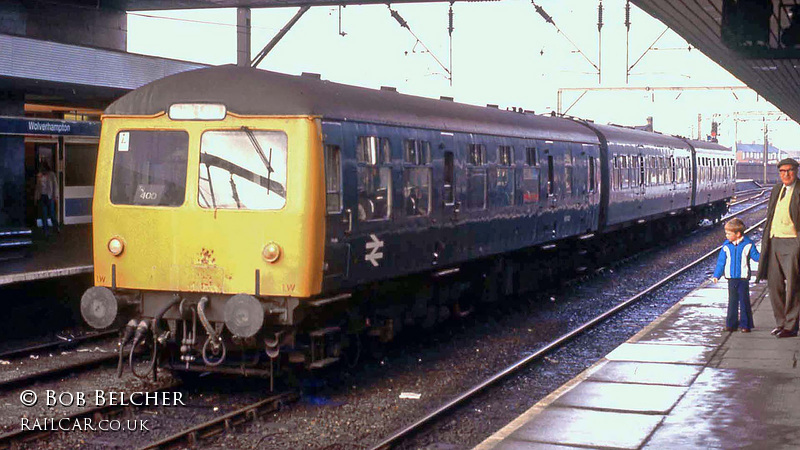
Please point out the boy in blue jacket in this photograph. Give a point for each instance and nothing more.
(734, 263)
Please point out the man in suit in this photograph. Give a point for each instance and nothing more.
(781, 245)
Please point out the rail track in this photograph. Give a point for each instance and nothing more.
(222, 422)
(404, 434)
(225, 422)
(16, 438)
(758, 192)
(61, 344)
(33, 356)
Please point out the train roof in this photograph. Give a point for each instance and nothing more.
(251, 91)
(629, 136)
(707, 145)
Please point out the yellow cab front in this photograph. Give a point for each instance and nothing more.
(210, 206)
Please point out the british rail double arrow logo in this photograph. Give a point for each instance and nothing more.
(374, 254)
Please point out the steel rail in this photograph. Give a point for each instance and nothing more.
(57, 345)
(10, 440)
(748, 198)
(226, 421)
(67, 369)
(751, 191)
(745, 210)
(563, 339)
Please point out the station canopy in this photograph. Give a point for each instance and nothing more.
(758, 41)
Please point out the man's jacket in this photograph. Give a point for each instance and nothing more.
(794, 213)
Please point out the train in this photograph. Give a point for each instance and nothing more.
(250, 222)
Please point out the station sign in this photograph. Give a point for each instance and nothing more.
(26, 126)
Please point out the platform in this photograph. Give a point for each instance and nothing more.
(63, 254)
(679, 383)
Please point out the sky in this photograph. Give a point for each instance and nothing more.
(503, 53)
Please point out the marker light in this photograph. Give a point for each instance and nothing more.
(272, 252)
(115, 246)
(197, 111)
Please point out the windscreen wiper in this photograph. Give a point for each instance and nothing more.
(235, 193)
(210, 185)
(247, 174)
(267, 162)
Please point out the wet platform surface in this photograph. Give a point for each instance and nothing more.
(681, 382)
(66, 253)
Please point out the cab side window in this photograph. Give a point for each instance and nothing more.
(374, 178)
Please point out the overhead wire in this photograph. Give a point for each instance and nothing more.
(549, 19)
(397, 17)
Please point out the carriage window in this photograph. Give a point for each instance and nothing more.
(242, 169)
(550, 174)
(641, 170)
(671, 163)
(503, 194)
(333, 179)
(615, 179)
(449, 179)
(374, 178)
(416, 177)
(592, 186)
(150, 168)
(505, 155)
(625, 172)
(416, 152)
(568, 181)
(652, 170)
(531, 156)
(476, 177)
(530, 179)
(477, 154)
(703, 169)
(687, 169)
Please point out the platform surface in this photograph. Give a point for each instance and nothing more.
(66, 253)
(681, 382)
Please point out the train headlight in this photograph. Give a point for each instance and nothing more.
(271, 252)
(116, 246)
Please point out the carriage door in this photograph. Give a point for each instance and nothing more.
(338, 213)
(672, 180)
(449, 191)
(80, 164)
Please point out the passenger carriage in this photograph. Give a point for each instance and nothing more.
(244, 218)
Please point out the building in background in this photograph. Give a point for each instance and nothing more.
(750, 161)
(62, 64)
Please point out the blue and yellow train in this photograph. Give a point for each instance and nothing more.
(245, 220)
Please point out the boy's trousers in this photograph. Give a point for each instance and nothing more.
(740, 313)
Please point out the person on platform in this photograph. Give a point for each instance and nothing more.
(780, 246)
(46, 196)
(734, 264)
